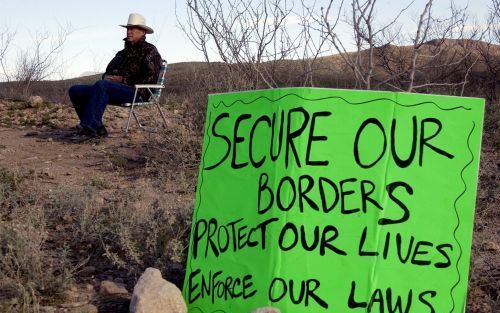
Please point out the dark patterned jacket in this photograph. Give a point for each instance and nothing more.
(138, 64)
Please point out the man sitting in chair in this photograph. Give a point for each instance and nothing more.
(138, 63)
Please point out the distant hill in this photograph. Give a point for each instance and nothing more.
(328, 71)
(88, 73)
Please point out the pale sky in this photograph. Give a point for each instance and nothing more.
(97, 37)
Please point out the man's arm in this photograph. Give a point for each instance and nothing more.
(115, 68)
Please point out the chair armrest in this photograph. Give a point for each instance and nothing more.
(148, 86)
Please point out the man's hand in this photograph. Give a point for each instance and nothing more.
(114, 78)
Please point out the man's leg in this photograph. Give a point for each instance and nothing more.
(104, 92)
(80, 96)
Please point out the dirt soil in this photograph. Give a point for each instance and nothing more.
(46, 147)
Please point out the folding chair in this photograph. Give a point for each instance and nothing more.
(155, 92)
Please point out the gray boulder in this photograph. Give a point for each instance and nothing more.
(153, 294)
(35, 101)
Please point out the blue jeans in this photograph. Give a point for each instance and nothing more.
(90, 101)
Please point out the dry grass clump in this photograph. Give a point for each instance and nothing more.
(173, 155)
(9, 184)
(63, 203)
(31, 271)
(46, 237)
(177, 146)
(134, 232)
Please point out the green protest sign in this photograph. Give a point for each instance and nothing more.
(322, 200)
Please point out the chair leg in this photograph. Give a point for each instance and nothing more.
(131, 112)
(137, 120)
(161, 113)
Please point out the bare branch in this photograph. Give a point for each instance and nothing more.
(420, 36)
(250, 36)
(366, 34)
(6, 37)
(42, 60)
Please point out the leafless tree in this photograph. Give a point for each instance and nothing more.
(443, 47)
(250, 36)
(6, 37)
(495, 19)
(254, 40)
(314, 43)
(42, 59)
(421, 36)
(440, 55)
(367, 35)
(490, 54)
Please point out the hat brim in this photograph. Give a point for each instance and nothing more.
(147, 29)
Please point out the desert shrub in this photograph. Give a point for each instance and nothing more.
(30, 272)
(10, 182)
(62, 207)
(35, 250)
(99, 183)
(193, 112)
(130, 229)
(66, 202)
(134, 232)
(189, 85)
(174, 154)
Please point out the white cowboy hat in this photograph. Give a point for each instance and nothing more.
(137, 20)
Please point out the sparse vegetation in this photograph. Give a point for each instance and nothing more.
(136, 210)
(134, 232)
(145, 220)
(129, 229)
(9, 185)
(30, 272)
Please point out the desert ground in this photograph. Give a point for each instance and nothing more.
(75, 215)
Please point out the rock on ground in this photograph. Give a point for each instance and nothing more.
(111, 288)
(88, 308)
(35, 101)
(153, 294)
